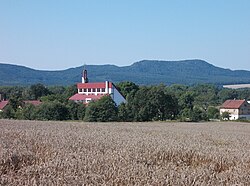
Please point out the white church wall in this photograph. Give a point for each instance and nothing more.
(117, 97)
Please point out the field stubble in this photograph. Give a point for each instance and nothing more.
(71, 153)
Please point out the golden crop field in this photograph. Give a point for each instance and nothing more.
(153, 153)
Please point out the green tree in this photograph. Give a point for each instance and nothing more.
(52, 111)
(57, 89)
(205, 95)
(139, 105)
(213, 113)
(185, 114)
(54, 97)
(8, 92)
(198, 114)
(81, 111)
(38, 90)
(152, 103)
(226, 94)
(127, 87)
(225, 116)
(28, 112)
(187, 100)
(70, 91)
(8, 112)
(177, 90)
(244, 93)
(123, 113)
(102, 110)
(162, 106)
(76, 110)
(15, 101)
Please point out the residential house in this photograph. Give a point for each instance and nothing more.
(93, 91)
(236, 108)
(3, 104)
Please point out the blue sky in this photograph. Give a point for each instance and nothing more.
(59, 34)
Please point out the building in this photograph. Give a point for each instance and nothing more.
(93, 91)
(236, 108)
(2, 96)
(3, 104)
(33, 102)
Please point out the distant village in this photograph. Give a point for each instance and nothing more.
(88, 92)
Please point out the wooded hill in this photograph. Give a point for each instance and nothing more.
(144, 72)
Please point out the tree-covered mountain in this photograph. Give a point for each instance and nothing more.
(142, 72)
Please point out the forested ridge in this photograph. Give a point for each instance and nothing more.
(146, 72)
(143, 103)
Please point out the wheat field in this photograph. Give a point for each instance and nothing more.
(153, 153)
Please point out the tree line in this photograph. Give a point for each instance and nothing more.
(143, 103)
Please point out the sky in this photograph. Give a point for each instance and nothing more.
(60, 34)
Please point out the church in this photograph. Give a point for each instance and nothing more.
(93, 91)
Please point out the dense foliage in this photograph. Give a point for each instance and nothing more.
(104, 109)
(144, 103)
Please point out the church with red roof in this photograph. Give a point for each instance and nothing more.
(93, 91)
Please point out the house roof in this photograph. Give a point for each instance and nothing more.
(33, 102)
(78, 97)
(3, 104)
(232, 104)
(94, 85)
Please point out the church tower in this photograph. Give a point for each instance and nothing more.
(94, 91)
(85, 76)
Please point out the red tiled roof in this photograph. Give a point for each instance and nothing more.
(3, 104)
(232, 104)
(94, 85)
(33, 102)
(78, 97)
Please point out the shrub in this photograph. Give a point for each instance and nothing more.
(52, 111)
(103, 110)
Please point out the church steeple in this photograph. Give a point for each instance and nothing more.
(84, 76)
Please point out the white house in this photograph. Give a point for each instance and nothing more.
(93, 91)
(236, 108)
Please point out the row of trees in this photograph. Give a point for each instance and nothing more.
(144, 103)
(46, 111)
